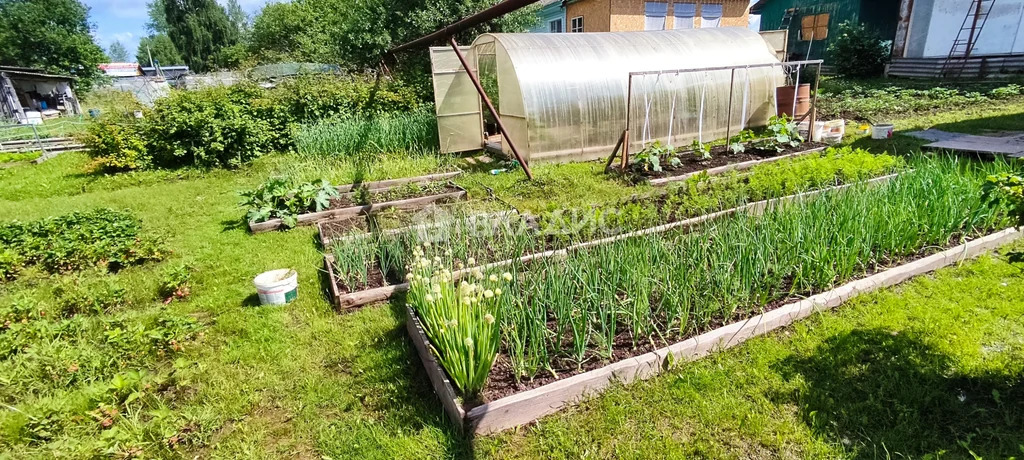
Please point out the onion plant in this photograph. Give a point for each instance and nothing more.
(461, 318)
(647, 290)
(353, 261)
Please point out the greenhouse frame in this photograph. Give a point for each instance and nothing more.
(564, 97)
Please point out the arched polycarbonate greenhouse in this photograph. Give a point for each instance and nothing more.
(563, 97)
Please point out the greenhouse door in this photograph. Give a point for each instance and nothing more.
(460, 124)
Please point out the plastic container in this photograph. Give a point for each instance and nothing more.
(277, 287)
(833, 131)
(881, 131)
(819, 127)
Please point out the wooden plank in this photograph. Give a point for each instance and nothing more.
(332, 280)
(438, 378)
(530, 405)
(353, 211)
(392, 183)
(730, 167)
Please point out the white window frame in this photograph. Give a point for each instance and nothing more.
(707, 21)
(655, 15)
(576, 24)
(683, 15)
(551, 24)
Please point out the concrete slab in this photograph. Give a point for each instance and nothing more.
(934, 135)
(1012, 146)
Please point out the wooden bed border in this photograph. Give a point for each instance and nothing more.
(528, 406)
(360, 210)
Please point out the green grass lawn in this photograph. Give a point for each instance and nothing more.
(882, 377)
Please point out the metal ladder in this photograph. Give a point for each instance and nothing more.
(787, 19)
(962, 48)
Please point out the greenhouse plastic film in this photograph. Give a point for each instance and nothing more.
(573, 87)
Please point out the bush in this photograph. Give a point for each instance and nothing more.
(858, 51)
(209, 127)
(117, 146)
(231, 126)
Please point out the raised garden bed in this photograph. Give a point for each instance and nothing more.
(345, 298)
(363, 199)
(526, 406)
(722, 160)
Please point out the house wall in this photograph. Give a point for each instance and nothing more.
(628, 15)
(934, 25)
(881, 15)
(596, 15)
(548, 13)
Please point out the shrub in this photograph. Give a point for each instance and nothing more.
(209, 127)
(858, 51)
(317, 97)
(117, 145)
(230, 126)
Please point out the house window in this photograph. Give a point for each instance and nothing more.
(576, 24)
(710, 15)
(683, 14)
(654, 15)
(814, 27)
(556, 26)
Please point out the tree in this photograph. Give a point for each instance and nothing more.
(357, 33)
(238, 18)
(161, 48)
(117, 52)
(157, 18)
(50, 34)
(199, 29)
(858, 51)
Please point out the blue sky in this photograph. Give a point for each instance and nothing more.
(125, 20)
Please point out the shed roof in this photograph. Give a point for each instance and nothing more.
(30, 72)
(756, 8)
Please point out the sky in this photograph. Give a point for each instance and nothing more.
(125, 20)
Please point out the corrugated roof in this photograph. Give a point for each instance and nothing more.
(30, 72)
(756, 8)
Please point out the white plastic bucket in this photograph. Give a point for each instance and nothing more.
(882, 131)
(277, 287)
(834, 131)
(819, 126)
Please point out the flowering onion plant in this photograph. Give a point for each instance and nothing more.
(460, 317)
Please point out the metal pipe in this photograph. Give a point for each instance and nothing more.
(727, 67)
(728, 116)
(814, 106)
(450, 30)
(490, 107)
(625, 133)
